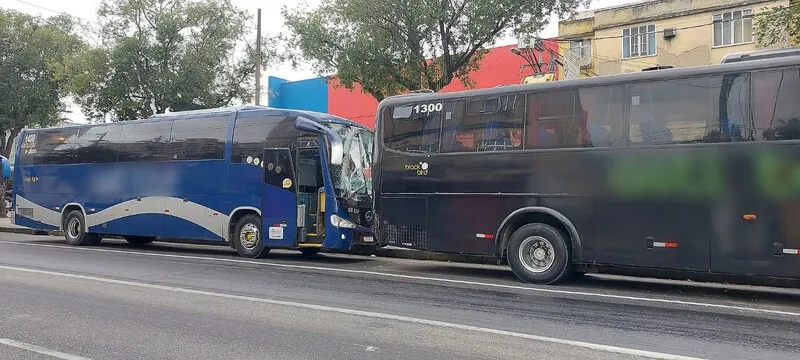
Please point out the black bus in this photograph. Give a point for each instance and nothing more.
(686, 169)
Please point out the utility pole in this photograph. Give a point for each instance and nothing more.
(258, 58)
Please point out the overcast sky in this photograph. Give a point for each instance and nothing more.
(272, 23)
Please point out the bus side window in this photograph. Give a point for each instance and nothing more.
(55, 146)
(99, 144)
(144, 141)
(604, 110)
(734, 105)
(199, 139)
(414, 128)
(484, 124)
(553, 121)
(678, 111)
(250, 137)
(776, 110)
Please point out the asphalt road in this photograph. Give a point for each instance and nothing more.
(169, 301)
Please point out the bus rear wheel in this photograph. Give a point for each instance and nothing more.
(75, 230)
(247, 237)
(538, 253)
(139, 240)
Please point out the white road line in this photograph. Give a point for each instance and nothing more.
(426, 278)
(40, 350)
(369, 314)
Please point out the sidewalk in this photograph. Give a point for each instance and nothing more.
(7, 227)
(388, 251)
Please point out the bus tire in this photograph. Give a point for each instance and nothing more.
(248, 239)
(310, 251)
(539, 253)
(139, 240)
(75, 230)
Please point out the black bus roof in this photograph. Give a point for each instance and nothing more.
(605, 80)
(760, 54)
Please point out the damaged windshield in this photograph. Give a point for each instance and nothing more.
(353, 178)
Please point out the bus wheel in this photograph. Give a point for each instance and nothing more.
(310, 251)
(139, 240)
(247, 239)
(75, 230)
(538, 253)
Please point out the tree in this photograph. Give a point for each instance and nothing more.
(165, 54)
(391, 46)
(778, 24)
(33, 51)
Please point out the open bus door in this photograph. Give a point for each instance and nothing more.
(298, 197)
(279, 206)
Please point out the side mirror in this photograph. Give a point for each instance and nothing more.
(337, 149)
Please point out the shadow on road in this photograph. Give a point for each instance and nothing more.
(476, 273)
(219, 251)
(642, 286)
(743, 293)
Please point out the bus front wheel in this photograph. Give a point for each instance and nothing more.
(75, 230)
(538, 253)
(247, 238)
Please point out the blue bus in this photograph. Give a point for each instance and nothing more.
(254, 177)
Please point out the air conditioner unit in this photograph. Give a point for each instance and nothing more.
(670, 33)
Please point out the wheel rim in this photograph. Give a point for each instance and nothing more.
(248, 236)
(536, 254)
(73, 228)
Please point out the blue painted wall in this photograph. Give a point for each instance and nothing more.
(309, 94)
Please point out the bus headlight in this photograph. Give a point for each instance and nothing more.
(337, 221)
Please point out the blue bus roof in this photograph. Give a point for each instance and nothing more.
(311, 115)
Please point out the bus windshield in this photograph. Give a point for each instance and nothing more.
(352, 179)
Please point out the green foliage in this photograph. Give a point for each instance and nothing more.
(33, 51)
(165, 54)
(384, 45)
(777, 25)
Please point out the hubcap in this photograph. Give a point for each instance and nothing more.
(73, 228)
(248, 236)
(536, 254)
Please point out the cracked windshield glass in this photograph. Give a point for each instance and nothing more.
(353, 178)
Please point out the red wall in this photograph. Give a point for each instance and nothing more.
(353, 105)
(498, 67)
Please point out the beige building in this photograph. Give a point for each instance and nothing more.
(651, 33)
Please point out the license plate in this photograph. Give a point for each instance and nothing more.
(368, 239)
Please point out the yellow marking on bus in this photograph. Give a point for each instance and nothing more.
(310, 245)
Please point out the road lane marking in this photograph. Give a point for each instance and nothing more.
(427, 278)
(41, 350)
(369, 314)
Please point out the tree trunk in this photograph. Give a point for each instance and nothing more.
(10, 142)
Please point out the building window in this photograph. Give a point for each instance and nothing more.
(581, 51)
(733, 28)
(639, 41)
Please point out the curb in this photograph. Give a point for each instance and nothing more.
(401, 253)
(386, 252)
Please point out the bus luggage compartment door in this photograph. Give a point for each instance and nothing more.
(279, 199)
